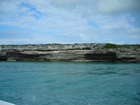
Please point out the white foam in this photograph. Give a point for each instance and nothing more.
(5, 103)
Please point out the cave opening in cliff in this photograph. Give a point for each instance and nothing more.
(101, 56)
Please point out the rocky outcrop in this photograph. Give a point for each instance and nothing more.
(70, 52)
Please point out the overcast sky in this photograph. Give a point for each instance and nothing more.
(69, 21)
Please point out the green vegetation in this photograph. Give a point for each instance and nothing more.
(109, 45)
(2, 46)
(127, 46)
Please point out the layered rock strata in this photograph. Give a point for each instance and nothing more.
(70, 52)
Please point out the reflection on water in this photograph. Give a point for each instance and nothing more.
(70, 83)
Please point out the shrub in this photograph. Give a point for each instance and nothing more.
(109, 45)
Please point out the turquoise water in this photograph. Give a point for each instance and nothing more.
(70, 83)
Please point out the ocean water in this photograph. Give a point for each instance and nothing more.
(70, 83)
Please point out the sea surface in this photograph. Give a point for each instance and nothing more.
(70, 83)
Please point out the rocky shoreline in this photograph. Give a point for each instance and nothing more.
(90, 52)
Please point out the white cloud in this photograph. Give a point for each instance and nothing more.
(118, 6)
(99, 6)
(8, 6)
(84, 37)
(58, 20)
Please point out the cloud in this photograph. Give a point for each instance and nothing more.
(73, 21)
(119, 6)
(24, 37)
(83, 37)
(100, 6)
(10, 6)
(65, 3)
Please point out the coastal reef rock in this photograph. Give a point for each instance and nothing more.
(70, 52)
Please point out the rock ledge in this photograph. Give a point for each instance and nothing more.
(71, 52)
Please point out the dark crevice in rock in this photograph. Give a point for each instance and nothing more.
(3, 58)
(103, 56)
(24, 57)
(128, 59)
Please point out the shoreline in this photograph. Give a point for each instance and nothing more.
(86, 52)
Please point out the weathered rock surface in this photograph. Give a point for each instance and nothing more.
(70, 52)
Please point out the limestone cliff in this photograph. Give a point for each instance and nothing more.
(70, 52)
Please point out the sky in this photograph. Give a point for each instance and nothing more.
(69, 21)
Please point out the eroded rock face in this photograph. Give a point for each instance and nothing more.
(70, 52)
